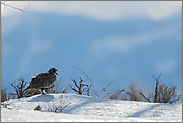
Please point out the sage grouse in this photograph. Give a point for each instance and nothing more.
(44, 80)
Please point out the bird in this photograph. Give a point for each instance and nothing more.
(44, 80)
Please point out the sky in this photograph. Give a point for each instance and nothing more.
(119, 41)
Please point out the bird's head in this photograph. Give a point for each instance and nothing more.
(52, 70)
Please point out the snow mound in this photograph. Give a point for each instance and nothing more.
(42, 98)
(88, 108)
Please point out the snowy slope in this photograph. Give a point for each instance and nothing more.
(87, 108)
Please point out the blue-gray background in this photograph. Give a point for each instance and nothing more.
(131, 47)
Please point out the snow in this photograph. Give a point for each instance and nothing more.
(88, 109)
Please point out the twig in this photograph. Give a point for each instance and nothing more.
(103, 89)
(19, 9)
(73, 88)
(80, 86)
(114, 93)
(16, 7)
(94, 93)
(25, 10)
(156, 89)
(87, 77)
(145, 97)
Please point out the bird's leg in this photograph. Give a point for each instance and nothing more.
(42, 91)
(46, 90)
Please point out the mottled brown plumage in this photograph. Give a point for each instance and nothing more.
(44, 80)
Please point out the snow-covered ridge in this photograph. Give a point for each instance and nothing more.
(88, 108)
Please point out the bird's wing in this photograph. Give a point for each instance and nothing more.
(45, 76)
(45, 79)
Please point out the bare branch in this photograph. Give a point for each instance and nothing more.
(94, 92)
(73, 88)
(80, 86)
(86, 89)
(19, 87)
(113, 93)
(145, 97)
(19, 9)
(16, 7)
(25, 10)
(156, 89)
(105, 88)
(75, 83)
(88, 78)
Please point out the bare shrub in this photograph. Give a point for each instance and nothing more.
(81, 88)
(163, 94)
(134, 93)
(156, 89)
(56, 108)
(19, 87)
(157, 113)
(3, 94)
(92, 85)
(135, 90)
(6, 95)
(52, 107)
(166, 95)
